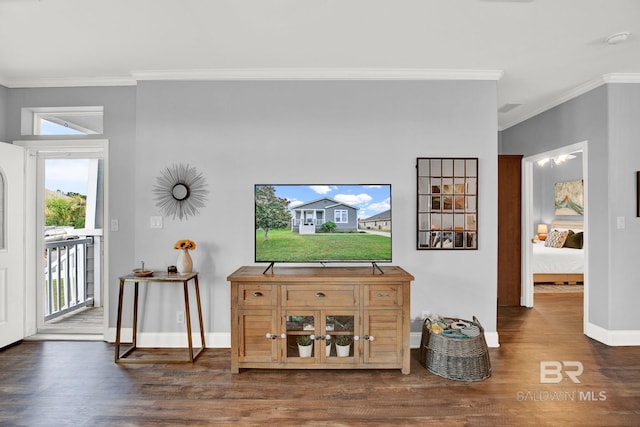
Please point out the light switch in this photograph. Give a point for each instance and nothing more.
(115, 226)
(620, 222)
(156, 222)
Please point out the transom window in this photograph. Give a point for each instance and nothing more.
(63, 121)
(341, 216)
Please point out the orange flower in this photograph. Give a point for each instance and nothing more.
(185, 244)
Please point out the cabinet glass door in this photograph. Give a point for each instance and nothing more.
(301, 333)
(340, 329)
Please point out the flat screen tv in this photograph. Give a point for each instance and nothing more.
(322, 223)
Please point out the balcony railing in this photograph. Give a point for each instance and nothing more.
(67, 287)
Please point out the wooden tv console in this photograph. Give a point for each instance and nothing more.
(369, 306)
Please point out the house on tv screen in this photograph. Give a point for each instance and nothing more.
(380, 221)
(309, 217)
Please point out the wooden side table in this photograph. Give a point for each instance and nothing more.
(159, 277)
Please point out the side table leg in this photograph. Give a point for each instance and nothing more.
(188, 318)
(135, 315)
(200, 313)
(119, 322)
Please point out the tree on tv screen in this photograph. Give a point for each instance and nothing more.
(271, 210)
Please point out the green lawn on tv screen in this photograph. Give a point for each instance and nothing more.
(289, 246)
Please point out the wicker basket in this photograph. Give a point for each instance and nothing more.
(460, 359)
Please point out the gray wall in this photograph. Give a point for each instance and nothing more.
(606, 117)
(544, 179)
(242, 133)
(624, 161)
(119, 129)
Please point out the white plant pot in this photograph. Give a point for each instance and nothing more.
(305, 350)
(328, 349)
(343, 350)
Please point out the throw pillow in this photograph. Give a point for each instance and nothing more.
(575, 240)
(556, 238)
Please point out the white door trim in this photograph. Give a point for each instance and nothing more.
(33, 242)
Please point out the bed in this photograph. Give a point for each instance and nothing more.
(558, 265)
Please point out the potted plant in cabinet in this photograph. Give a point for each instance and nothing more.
(328, 345)
(305, 345)
(343, 345)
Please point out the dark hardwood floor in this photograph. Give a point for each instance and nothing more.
(77, 383)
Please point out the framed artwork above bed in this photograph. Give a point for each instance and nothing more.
(569, 197)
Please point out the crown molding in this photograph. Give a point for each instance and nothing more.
(319, 74)
(231, 74)
(621, 78)
(574, 93)
(70, 82)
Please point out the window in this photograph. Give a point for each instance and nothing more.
(63, 121)
(341, 216)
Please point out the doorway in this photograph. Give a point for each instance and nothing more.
(530, 218)
(66, 248)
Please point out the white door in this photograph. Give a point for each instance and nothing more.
(12, 259)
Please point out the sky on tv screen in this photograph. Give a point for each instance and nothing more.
(369, 199)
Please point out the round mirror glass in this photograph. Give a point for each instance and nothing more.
(180, 192)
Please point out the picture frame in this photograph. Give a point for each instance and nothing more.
(569, 197)
(447, 191)
(638, 194)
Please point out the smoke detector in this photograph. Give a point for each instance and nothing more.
(618, 38)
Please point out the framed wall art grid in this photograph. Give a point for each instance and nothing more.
(447, 203)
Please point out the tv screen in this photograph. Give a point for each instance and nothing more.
(322, 223)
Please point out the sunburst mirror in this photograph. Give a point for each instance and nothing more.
(180, 191)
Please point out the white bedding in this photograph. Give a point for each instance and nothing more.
(557, 260)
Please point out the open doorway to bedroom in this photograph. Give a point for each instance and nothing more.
(554, 223)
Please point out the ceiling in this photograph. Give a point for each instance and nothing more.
(539, 52)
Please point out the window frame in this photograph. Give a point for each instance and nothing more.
(339, 220)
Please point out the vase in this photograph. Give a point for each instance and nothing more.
(184, 263)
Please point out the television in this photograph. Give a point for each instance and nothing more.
(298, 223)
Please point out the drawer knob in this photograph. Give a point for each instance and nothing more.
(369, 337)
(257, 294)
(275, 336)
(320, 295)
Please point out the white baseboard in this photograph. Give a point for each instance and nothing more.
(613, 338)
(170, 340)
(223, 339)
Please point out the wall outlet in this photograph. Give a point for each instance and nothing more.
(155, 222)
(179, 316)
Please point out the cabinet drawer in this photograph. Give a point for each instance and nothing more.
(383, 296)
(253, 294)
(320, 296)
